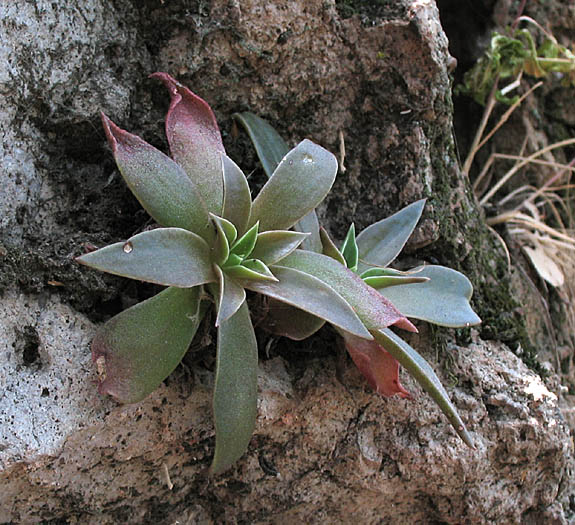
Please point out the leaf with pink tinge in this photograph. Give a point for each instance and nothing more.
(377, 365)
(373, 309)
(161, 185)
(311, 295)
(138, 348)
(195, 141)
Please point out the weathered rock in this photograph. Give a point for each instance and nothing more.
(326, 449)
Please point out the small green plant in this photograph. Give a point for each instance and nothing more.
(214, 243)
(509, 56)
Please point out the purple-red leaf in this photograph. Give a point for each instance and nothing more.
(377, 365)
(161, 186)
(195, 141)
(374, 310)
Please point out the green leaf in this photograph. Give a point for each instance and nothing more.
(374, 310)
(443, 300)
(251, 271)
(225, 231)
(380, 243)
(421, 371)
(311, 295)
(329, 248)
(384, 281)
(271, 149)
(237, 196)
(246, 243)
(300, 182)
(235, 391)
(288, 321)
(231, 296)
(259, 267)
(272, 246)
(161, 185)
(349, 249)
(195, 141)
(138, 348)
(168, 256)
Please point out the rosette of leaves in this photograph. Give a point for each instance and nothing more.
(213, 244)
(431, 293)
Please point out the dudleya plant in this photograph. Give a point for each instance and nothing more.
(214, 243)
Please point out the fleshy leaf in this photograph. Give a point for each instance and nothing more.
(374, 310)
(385, 281)
(288, 321)
(235, 390)
(423, 373)
(246, 243)
(309, 224)
(242, 272)
(161, 185)
(443, 300)
(225, 231)
(311, 295)
(380, 243)
(195, 141)
(349, 249)
(231, 297)
(259, 267)
(237, 197)
(271, 149)
(329, 248)
(272, 246)
(168, 256)
(300, 182)
(138, 348)
(377, 365)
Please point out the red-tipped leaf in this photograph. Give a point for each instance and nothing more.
(195, 141)
(161, 186)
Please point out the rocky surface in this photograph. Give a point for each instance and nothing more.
(326, 449)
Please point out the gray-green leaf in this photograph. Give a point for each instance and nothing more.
(237, 196)
(311, 295)
(272, 246)
(271, 149)
(300, 182)
(423, 373)
(380, 243)
(138, 348)
(443, 300)
(235, 391)
(168, 256)
(231, 296)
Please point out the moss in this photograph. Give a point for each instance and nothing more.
(466, 244)
(371, 11)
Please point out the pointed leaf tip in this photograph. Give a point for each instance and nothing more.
(195, 140)
(160, 184)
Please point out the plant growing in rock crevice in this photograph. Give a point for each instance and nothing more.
(214, 243)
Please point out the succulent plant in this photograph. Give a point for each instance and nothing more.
(213, 243)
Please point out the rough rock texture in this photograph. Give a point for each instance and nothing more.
(326, 449)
